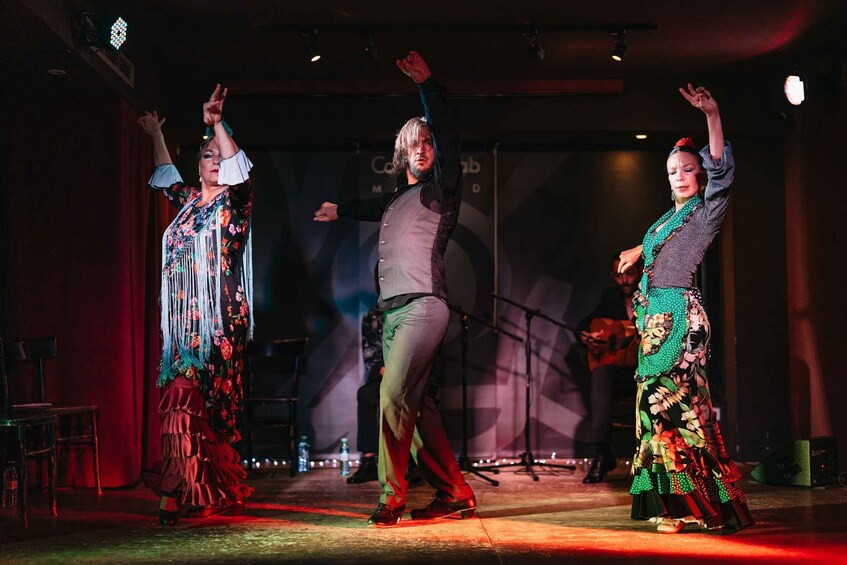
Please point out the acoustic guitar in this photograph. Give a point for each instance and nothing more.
(619, 341)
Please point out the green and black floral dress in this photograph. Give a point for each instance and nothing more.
(681, 467)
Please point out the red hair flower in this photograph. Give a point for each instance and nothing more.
(685, 142)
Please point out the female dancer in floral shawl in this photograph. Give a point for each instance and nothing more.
(682, 473)
(206, 320)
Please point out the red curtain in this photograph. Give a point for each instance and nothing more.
(81, 259)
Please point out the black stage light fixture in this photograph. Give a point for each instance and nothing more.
(535, 49)
(370, 48)
(620, 47)
(102, 31)
(312, 48)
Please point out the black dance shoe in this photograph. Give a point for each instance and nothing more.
(366, 472)
(600, 465)
(384, 516)
(440, 507)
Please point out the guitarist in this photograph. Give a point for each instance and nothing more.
(610, 340)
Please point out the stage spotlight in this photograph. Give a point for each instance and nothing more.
(312, 48)
(620, 47)
(795, 89)
(370, 48)
(102, 31)
(535, 49)
(117, 33)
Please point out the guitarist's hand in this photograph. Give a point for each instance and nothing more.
(592, 341)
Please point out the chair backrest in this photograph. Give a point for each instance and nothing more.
(281, 358)
(34, 350)
(10, 350)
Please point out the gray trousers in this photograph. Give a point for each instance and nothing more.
(409, 419)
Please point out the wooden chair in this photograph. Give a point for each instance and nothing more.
(75, 425)
(271, 391)
(33, 436)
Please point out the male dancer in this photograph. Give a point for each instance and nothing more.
(417, 221)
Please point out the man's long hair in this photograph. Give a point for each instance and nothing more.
(407, 136)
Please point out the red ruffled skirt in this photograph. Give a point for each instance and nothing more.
(198, 465)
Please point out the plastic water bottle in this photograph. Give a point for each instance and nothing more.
(344, 456)
(10, 488)
(303, 455)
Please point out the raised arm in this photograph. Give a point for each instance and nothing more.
(165, 177)
(448, 165)
(701, 98)
(213, 117)
(152, 126)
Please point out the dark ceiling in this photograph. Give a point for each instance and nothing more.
(181, 47)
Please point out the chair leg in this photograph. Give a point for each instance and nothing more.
(250, 448)
(96, 445)
(51, 464)
(22, 484)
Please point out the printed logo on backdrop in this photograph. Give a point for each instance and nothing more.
(382, 166)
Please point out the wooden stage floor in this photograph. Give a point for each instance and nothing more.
(318, 518)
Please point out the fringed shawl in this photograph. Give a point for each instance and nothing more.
(191, 291)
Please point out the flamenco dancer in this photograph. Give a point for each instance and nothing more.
(417, 221)
(682, 472)
(206, 301)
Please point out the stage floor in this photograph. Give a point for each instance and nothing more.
(318, 518)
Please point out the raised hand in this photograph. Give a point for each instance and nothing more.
(213, 109)
(328, 212)
(700, 98)
(150, 123)
(628, 258)
(415, 67)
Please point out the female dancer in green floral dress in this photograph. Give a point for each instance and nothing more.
(682, 473)
(206, 321)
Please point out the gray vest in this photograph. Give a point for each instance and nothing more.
(412, 241)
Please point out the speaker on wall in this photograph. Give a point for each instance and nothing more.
(804, 462)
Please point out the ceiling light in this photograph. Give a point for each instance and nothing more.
(795, 89)
(620, 47)
(640, 136)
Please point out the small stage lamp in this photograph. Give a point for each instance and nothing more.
(795, 89)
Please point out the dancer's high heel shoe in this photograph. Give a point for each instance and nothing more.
(237, 507)
(670, 526)
(169, 510)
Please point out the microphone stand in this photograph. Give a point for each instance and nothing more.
(527, 460)
(464, 461)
